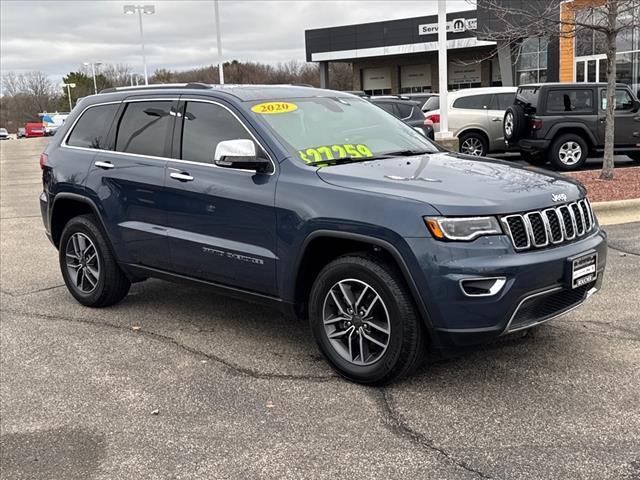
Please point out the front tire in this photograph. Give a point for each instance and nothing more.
(473, 144)
(569, 152)
(88, 267)
(364, 320)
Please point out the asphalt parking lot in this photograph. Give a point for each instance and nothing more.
(176, 382)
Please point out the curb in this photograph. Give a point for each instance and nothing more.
(617, 211)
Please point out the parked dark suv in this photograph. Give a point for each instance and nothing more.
(406, 110)
(321, 204)
(565, 123)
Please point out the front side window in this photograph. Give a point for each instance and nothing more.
(563, 101)
(205, 125)
(316, 129)
(623, 100)
(92, 128)
(473, 102)
(144, 127)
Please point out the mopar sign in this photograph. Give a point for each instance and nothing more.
(454, 26)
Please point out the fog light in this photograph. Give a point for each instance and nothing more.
(482, 287)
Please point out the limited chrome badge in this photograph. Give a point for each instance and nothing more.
(559, 197)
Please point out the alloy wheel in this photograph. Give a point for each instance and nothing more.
(570, 153)
(508, 124)
(356, 322)
(472, 146)
(83, 264)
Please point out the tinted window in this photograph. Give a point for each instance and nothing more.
(144, 128)
(388, 107)
(404, 109)
(501, 101)
(432, 103)
(205, 125)
(623, 100)
(92, 128)
(528, 95)
(577, 100)
(473, 102)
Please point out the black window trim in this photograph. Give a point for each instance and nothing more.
(177, 99)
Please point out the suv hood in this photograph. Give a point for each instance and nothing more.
(456, 184)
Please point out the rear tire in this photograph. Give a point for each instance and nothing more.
(473, 143)
(363, 291)
(88, 267)
(537, 159)
(568, 152)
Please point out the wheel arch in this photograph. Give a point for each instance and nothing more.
(478, 131)
(315, 254)
(67, 206)
(575, 129)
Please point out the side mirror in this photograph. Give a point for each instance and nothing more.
(635, 106)
(240, 154)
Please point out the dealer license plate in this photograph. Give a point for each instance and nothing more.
(584, 270)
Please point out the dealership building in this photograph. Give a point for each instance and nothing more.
(401, 56)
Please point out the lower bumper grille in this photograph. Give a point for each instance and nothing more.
(545, 306)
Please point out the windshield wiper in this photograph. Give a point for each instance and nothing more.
(382, 156)
(404, 153)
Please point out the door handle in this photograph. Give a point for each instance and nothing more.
(105, 165)
(182, 176)
(496, 119)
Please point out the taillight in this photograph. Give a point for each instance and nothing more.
(536, 124)
(435, 118)
(428, 122)
(43, 160)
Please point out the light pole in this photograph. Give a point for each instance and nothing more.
(93, 74)
(219, 41)
(69, 87)
(442, 68)
(147, 10)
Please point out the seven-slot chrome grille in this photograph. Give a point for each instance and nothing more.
(550, 226)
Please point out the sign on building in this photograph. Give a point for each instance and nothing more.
(454, 26)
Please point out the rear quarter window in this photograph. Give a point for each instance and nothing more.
(579, 100)
(528, 96)
(432, 103)
(91, 130)
(473, 102)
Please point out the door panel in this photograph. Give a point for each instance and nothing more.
(129, 186)
(221, 221)
(495, 117)
(626, 121)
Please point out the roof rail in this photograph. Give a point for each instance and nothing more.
(193, 85)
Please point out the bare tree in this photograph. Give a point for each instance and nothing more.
(549, 18)
(24, 95)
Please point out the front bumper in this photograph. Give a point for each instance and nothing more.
(536, 287)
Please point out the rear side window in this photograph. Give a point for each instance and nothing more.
(528, 95)
(404, 110)
(388, 107)
(562, 101)
(432, 103)
(502, 101)
(205, 125)
(473, 102)
(144, 127)
(92, 128)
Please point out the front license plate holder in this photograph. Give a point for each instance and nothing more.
(582, 269)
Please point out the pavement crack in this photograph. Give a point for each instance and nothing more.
(622, 250)
(31, 292)
(400, 426)
(233, 367)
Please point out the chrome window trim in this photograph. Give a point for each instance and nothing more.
(64, 144)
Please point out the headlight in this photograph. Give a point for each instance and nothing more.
(462, 229)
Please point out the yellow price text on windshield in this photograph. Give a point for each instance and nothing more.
(333, 152)
(271, 108)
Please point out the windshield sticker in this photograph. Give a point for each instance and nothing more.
(332, 152)
(271, 108)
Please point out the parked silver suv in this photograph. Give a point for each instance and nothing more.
(475, 117)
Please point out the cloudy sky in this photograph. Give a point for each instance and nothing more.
(57, 36)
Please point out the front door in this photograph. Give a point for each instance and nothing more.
(627, 122)
(222, 221)
(127, 182)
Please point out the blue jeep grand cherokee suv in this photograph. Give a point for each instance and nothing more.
(321, 203)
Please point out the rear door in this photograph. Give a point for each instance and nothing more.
(495, 115)
(222, 223)
(127, 182)
(469, 111)
(627, 122)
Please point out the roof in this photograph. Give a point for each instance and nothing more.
(569, 85)
(245, 93)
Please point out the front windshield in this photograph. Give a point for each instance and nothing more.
(322, 129)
